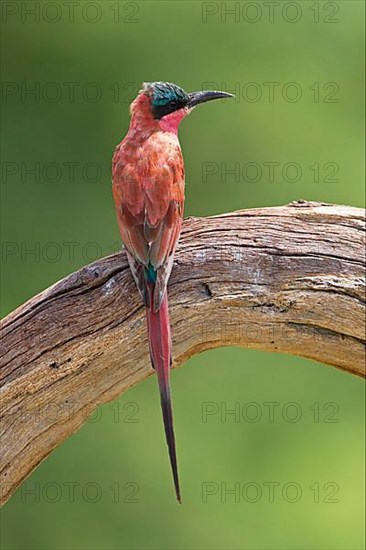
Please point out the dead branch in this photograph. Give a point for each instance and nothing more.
(287, 279)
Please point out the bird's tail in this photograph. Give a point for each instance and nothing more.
(158, 325)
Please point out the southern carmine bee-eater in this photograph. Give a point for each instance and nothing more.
(148, 190)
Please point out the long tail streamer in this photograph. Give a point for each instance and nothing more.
(158, 325)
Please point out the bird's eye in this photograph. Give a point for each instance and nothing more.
(173, 102)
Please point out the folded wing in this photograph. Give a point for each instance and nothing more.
(149, 193)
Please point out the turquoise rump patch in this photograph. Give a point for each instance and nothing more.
(150, 274)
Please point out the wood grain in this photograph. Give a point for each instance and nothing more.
(288, 279)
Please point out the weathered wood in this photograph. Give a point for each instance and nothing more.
(287, 279)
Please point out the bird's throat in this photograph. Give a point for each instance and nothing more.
(170, 123)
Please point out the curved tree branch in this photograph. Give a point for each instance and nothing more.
(287, 279)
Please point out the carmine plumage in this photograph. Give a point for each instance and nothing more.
(148, 190)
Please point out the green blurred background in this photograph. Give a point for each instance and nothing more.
(123, 495)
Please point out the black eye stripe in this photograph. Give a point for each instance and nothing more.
(163, 110)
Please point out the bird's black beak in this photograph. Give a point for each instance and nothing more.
(195, 98)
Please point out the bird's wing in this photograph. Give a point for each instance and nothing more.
(150, 198)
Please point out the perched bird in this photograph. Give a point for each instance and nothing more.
(148, 190)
